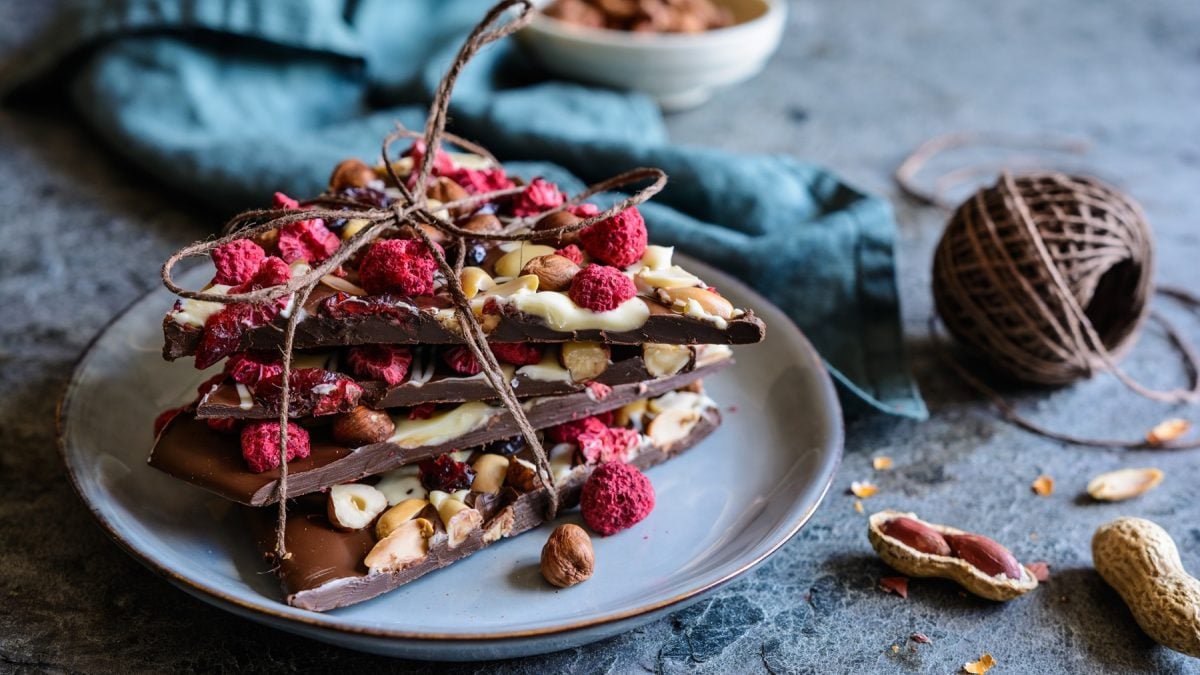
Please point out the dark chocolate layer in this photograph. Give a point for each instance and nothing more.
(326, 568)
(224, 401)
(188, 449)
(318, 329)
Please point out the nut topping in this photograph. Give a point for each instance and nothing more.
(553, 271)
(584, 360)
(354, 505)
(1123, 484)
(398, 515)
(490, 471)
(362, 426)
(665, 360)
(351, 173)
(568, 557)
(510, 264)
(671, 426)
(406, 546)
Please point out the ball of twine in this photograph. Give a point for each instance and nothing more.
(1047, 276)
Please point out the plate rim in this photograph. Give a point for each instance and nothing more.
(321, 621)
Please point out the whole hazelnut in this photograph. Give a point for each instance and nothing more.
(362, 426)
(350, 173)
(567, 557)
(555, 220)
(483, 223)
(554, 272)
(445, 191)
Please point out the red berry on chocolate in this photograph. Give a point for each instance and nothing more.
(272, 271)
(571, 253)
(403, 266)
(462, 361)
(380, 362)
(307, 240)
(222, 334)
(616, 497)
(250, 368)
(315, 391)
(478, 181)
(619, 241)
(260, 444)
(164, 418)
(601, 288)
(282, 201)
(443, 164)
(446, 474)
(569, 432)
(236, 261)
(600, 446)
(540, 195)
(517, 353)
(423, 411)
(222, 425)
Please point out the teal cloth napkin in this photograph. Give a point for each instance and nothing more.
(231, 100)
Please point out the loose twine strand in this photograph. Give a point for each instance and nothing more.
(412, 210)
(1081, 339)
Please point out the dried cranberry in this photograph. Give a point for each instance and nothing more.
(223, 425)
(476, 253)
(380, 362)
(250, 368)
(517, 353)
(462, 361)
(507, 447)
(446, 474)
(223, 334)
(423, 411)
(314, 389)
(367, 197)
(344, 305)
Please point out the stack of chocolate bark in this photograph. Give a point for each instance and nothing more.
(401, 459)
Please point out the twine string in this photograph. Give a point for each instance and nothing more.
(411, 211)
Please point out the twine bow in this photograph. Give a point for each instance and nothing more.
(411, 212)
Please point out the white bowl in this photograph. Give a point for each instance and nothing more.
(678, 70)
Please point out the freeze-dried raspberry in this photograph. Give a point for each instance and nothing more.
(598, 391)
(446, 474)
(517, 353)
(282, 201)
(260, 444)
(236, 261)
(164, 418)
(584, 210)
(540, 195)
(569, 432)
(477, 181)
(272, 271)
(600, 446)
(307, 240)
(250, 368)
(222, 425)
(462, 361)
(601, 288)
(619, 241)
(380, 362)
(403, 266)
(423, 411)
(571, 253)
(615, 497)
(443, 164)
(310, 389)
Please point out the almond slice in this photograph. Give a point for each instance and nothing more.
(1167, 431)
(1123, 484)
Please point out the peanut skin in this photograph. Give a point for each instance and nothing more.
(917, 535)
(1140, 561)
(984, 554)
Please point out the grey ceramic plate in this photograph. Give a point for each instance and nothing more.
(723, 507)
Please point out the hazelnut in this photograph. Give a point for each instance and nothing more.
(350, 173)
(522, 476)
(483, 223)
(584, 360)
(362, 426)
(510, 264)
(567, 557)
(554, 272)
(555, 220)
(406, 546)
(445, 191)
(354, 505)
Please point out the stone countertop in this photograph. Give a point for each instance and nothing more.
(855, 86)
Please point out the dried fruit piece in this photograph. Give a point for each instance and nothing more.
(446, 474)
(354, 506)
(571, 252)
(897, 585)
(598, 446)
(1043, 485)
(863, 489)
(619, 241)
(307, 240)
(236, 261)
(1167, 431)
(250, 368)
(917, 535)
(362, 426)
(984, 664)
(569, 432)
(323, 391)
(984, 554)
(616, 497)
(260, 444)
(517, 353)
(568, 557)
(462, 361)
(601, 288)
(540, 195)
(403, 266)
(380, 362)
(1123, 484)
(881, 463)
(1040, 570)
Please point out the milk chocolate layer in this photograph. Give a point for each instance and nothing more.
(188, 449)
(326, 568)
(628, 367)
(418, 325)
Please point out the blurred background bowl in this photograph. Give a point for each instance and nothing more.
(680, 70)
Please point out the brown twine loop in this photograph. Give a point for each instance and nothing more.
(412, 210)
(1049, 276)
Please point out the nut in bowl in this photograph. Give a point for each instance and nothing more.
(678, 69)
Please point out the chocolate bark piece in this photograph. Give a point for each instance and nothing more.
(226, 401)
(190, 450)
(326, 568)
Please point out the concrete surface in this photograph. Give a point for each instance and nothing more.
(855, 86)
